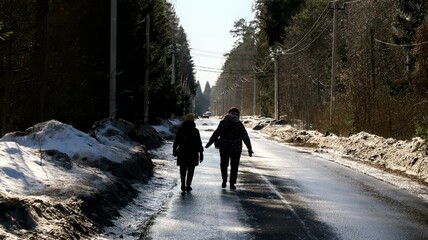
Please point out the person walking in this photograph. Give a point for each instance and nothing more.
(228, 137)
(188, 149)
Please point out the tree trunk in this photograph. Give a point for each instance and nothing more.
(41, 53)
(373, 79)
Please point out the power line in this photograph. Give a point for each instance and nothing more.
(207, 51)
(219, 69)
(401, 45)
(216, 55)
(314, 26)
(208, 56)
(205, 70)
(226, 72)
(355, 1)
(305, 47)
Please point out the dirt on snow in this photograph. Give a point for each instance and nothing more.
(408, 158)
(82, 210)
(80, 207)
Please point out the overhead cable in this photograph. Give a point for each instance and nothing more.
(226, 72)
(314, 26)
(401, 45)
(355, 1)
(211, 68)
(305, 47)
(208, 56)
(206, 70)
(206, 51)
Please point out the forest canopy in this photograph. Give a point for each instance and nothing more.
(55, 64)
(381, 81)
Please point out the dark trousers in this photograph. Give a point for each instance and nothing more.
(233, 157)
(190, 170)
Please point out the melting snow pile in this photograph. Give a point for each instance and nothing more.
(55, 180)
(408, 157)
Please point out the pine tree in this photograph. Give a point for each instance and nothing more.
(207, 96)
(199, 101)
(410, 15)
(275, 16)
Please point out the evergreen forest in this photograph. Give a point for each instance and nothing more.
(381, 66)
(336, 66)
(55, 58)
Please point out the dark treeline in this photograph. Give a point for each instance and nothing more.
(54, 62)
(381, 84)
(202, 99)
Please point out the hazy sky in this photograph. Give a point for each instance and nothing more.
(207, 24)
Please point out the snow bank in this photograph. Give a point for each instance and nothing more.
(76, 144)
(57, 182)
(39, 161)
(27, 171)
(409, 157)
(167, 128)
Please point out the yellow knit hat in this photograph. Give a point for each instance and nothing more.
(189, 117)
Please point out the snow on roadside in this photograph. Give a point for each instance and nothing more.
(408, 157)
(25, 169)
(166, 128)
(76, 144)
(57, 182)
(137, 216)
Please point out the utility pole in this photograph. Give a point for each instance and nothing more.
(242, 94)
(256, 71)
(173, 49)
(113, 37)
(147, 71)
(276, 57)
(254, 95)
(223, 98)
(335, 6)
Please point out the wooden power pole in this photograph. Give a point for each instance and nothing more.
(113, 43)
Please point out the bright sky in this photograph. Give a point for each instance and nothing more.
(207, 24)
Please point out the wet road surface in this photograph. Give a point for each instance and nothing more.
(284, 193)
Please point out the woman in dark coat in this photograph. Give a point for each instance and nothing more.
(229, 136)
(188, 149)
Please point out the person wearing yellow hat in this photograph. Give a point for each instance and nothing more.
(188, 149)
(189, 117)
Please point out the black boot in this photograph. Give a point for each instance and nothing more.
(223, 184)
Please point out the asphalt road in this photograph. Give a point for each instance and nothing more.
(284, 193)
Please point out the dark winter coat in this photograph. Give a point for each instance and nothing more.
(229, 135)
(187, 144)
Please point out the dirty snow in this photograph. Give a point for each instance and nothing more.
(76, 144)
(166, 128)
(26, 171)
(49, 182)
(52, 172)
(399, 162)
